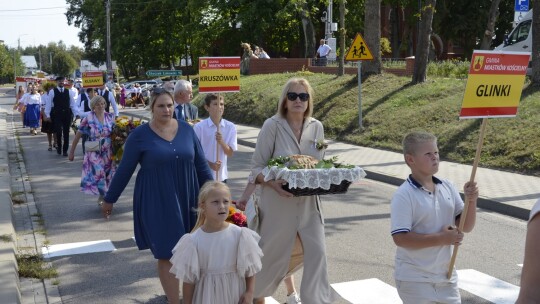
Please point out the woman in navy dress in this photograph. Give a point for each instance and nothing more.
(172, 170)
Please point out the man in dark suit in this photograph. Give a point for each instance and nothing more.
(183, 94)
(61, 106)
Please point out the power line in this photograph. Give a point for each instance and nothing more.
(7, 16)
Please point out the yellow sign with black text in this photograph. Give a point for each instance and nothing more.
(359, 50)
(219, 74)
(92, 79)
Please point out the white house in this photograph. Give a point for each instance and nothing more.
(86, 65)
(30, 64)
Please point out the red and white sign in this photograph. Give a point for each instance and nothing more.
(494, 84)
(219, 74)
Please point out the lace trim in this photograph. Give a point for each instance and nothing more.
(314, 178)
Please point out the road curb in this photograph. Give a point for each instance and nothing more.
(9, 275)
(483, 203)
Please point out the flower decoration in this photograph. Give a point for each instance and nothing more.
(236, 217)
(120, 132)
(320, 144)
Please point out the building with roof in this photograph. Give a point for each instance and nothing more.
(30, 63)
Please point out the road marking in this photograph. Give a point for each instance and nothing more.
(77, 248)
(270, 300)
(487, 287)
(373, 291)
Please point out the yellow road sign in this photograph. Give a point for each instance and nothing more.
(359, 50)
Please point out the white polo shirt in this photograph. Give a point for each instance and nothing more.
(416, 209)
(206, 132)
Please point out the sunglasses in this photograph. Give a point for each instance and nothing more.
(159, 91)
(292, 96)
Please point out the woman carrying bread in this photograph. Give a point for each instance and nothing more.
(290, 223)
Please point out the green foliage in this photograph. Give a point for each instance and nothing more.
(385, 46)
(63, 64)
(6, 65)
(449, 68)
(33, 266)
(391, 107)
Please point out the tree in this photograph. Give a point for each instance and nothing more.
(424, 40)
(490, 28)
(6, 64)
(63, 64)
(536, 47)
(372, 35)
(342, 35)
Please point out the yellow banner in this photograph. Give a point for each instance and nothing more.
(219, 80)
(486, 91)
(92, 81)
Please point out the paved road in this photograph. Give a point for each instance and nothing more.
(357, 228)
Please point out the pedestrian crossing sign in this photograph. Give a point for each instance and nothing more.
(359, 50)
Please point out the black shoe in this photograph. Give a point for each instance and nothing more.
(65, 154)
(58, 151)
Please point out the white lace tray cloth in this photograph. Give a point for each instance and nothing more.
(314, 178)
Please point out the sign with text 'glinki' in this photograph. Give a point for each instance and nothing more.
(494, 84)
(93, 79)
(219, 74)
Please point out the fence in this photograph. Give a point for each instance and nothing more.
(283, 65)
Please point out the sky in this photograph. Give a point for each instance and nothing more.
(36, 22)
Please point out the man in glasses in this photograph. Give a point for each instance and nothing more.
(183, 94)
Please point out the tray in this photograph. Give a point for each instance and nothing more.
(334, 189)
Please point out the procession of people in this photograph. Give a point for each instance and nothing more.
(181, 200)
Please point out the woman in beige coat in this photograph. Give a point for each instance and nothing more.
(282, 217)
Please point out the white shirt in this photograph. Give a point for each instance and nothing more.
(50, 103)
(206, 132)
(416, 209)
(29, 99)
(324, 50)
(81, 113)
(111, 100)
(75, 92)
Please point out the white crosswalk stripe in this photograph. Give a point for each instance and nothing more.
(487, 287)
(77, 248)
(373, 290)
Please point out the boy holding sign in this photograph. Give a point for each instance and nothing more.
(425, 212)
(217, 136)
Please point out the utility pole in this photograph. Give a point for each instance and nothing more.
(39, 53)
(108, 11)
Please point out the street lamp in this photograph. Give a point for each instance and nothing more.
(15, 58)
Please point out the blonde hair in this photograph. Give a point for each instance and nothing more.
(208, 187)
(95, 100)
(411, 140)
(282, 109)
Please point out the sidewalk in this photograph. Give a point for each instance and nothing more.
(503, 192)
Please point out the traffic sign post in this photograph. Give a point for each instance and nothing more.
(160, 73)
(359, 51)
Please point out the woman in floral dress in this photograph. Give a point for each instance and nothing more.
(98, 166)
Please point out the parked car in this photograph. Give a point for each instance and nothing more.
(145, 85)
(520, 39)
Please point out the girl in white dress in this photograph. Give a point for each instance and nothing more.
(217, 261)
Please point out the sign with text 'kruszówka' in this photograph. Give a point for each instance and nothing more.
(494, 85)
(219, 74)
(93, 79)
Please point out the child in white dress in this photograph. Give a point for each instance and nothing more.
(217, 261)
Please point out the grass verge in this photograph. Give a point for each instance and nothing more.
(33, 266)
(392, 107)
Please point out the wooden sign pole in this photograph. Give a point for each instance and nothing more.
(463, 216)
(217, 155)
